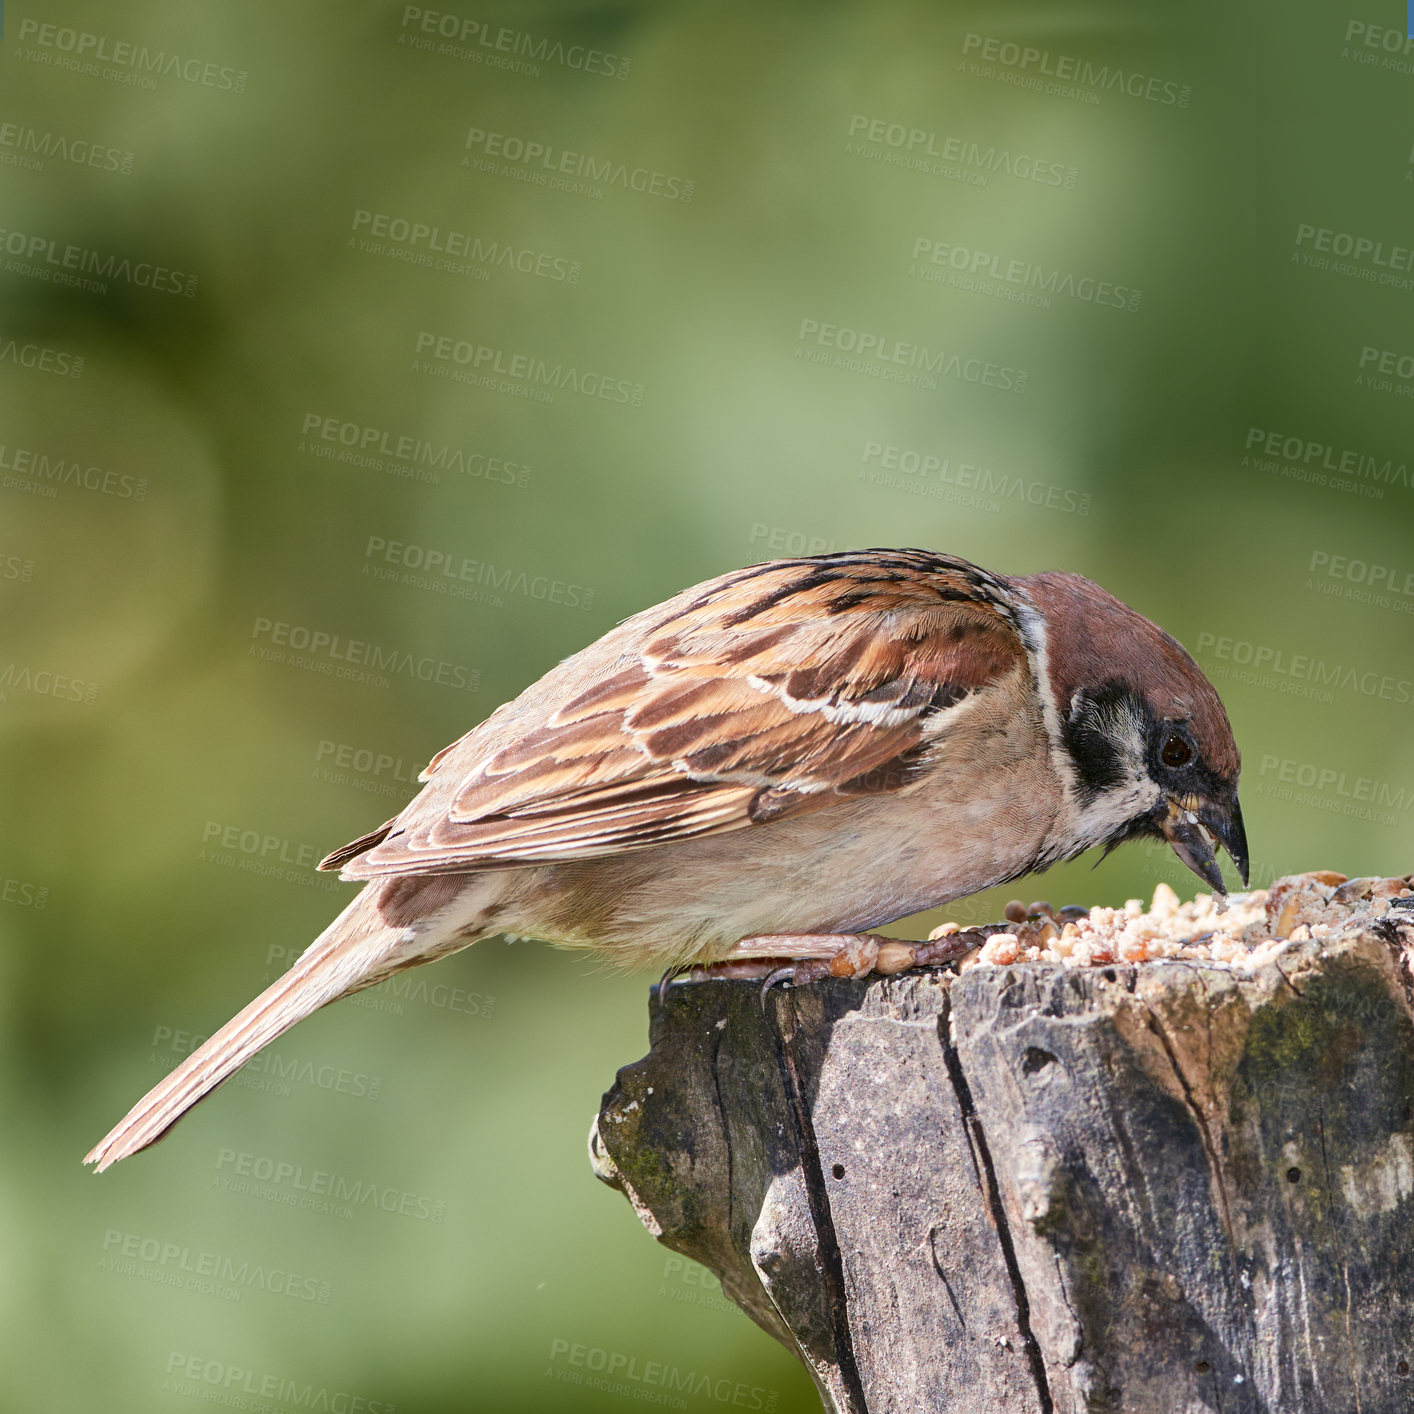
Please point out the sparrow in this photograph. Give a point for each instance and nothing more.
(767, 766)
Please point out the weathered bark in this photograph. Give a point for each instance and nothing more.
(1170, 1186)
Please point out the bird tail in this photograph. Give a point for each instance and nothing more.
(360, 947)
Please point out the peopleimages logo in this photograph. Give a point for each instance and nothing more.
(81, 51)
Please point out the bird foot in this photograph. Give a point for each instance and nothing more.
(801, 958)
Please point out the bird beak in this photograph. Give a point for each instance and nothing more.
(1224, 822)
(1184, 829)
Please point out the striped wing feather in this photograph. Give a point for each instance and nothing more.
(763, 693)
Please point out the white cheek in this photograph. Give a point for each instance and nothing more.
(1116, 807)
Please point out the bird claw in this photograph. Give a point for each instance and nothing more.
(665, 982)
(788, 973)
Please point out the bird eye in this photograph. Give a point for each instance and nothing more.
(1175, 752)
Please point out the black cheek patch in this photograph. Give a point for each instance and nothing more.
(1096, 758)
(1096, 755)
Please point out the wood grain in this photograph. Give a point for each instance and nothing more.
(1165, 1187)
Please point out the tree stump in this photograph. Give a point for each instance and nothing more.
(1158, 1187)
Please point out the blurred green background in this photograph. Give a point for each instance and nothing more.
(284, 292)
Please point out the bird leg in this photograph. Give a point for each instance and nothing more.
(816, 955)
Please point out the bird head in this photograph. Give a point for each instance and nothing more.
(1148, 744)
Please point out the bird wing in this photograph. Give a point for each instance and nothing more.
(763, 693)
